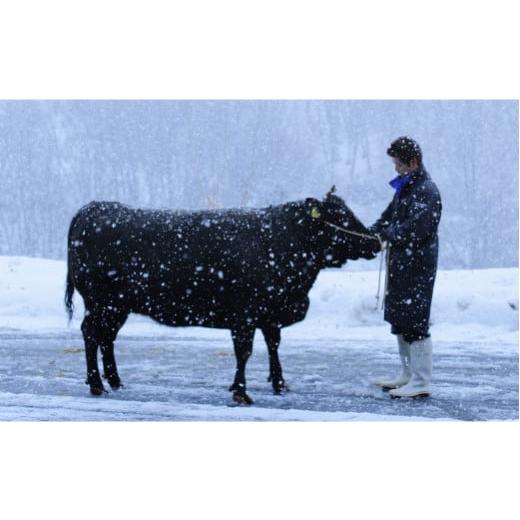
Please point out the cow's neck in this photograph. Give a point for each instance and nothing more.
(293, 247)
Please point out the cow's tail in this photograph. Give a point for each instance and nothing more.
(69, 293)
(69, 290)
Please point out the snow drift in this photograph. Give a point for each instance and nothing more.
(469, 305)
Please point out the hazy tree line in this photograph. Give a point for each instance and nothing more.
(56, 156)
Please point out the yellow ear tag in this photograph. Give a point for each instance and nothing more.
(315, 213)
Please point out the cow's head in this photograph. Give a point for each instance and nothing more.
(337, 246)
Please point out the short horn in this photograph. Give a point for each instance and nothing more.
(332, 190)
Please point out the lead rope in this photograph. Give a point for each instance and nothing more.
(386, 256)
(387, 263)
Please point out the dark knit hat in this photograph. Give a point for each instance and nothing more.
(405, 149)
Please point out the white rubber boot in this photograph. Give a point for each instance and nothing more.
(421, 365)
(406, 373)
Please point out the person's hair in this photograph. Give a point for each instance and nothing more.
(405, 149)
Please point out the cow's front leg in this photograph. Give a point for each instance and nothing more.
(243, 344)
(272, 337)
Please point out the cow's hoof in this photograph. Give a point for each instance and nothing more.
(242, 398)
(280, 387)
(98, 390)
(115, 383)
(96, 386)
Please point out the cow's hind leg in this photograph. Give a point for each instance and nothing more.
(91, 335)
(112, 324)
(99, 329)
(272, 337)
(243, 343)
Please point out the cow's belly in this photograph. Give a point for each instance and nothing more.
(181, 318)
(225, 314)
(288, 313)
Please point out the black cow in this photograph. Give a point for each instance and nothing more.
(237, 269)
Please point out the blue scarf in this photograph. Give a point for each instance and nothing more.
(398, 183)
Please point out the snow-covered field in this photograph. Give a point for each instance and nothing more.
(473, 305)
(329, 359)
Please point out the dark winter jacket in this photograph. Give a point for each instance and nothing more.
(409, 224)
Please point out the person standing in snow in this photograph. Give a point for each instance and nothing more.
(409, 227)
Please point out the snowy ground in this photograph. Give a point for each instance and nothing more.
(173, 374)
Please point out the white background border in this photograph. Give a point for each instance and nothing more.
(259, 50)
